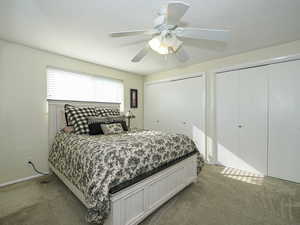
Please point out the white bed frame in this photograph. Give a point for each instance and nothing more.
(134, 203)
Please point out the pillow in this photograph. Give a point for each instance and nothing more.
(68, 123)
(112, 128)
(104, 112)
(94, 123)
(78, 117)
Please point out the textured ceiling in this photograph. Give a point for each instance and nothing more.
(80, 28)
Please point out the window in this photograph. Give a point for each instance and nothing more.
(65, 85)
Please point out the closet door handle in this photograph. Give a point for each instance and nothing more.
(240, 126)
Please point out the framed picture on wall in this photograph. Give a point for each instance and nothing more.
(133, 98)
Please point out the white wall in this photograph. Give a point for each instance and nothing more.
(23, 105)
(209, 66)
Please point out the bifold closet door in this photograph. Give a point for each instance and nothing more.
(227, 106)
(242, 109)
(178, 107)
(284, 121)
(152, 107)
(253, 116)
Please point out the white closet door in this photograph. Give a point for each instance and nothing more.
(284, 121)
(152, 107)
(178, 107)
(242, 119)
(253, 117)
(227, 106)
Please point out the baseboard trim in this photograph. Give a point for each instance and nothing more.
(20, 180)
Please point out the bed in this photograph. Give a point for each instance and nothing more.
(121, 178)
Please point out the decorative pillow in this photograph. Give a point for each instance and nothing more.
(104, 112)
(78, 117)
(95, 123)
(112, 128)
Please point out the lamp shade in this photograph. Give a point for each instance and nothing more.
(165, 44)
(156, 44)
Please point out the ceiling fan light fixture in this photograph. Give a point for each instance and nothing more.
(163, 45)
(157, 46)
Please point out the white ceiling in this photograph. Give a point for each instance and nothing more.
(80, 28)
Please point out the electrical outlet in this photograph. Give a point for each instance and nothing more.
(27, 160)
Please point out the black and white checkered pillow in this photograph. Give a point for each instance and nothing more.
(105, 112)
(79, 117)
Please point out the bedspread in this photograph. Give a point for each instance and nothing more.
(94, 164)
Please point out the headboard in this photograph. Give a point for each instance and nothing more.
(56, 114)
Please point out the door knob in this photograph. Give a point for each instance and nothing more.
(240, 126)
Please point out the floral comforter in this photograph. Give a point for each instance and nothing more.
(94, 164)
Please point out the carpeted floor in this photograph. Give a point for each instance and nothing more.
(221, 196)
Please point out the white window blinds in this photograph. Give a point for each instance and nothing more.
(64, 85)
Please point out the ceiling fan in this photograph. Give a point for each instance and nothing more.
(166, 32)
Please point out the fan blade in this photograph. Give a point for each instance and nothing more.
(133, 33)
(182, 55)
(207, 34)
(175, 11)
(141, 54)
